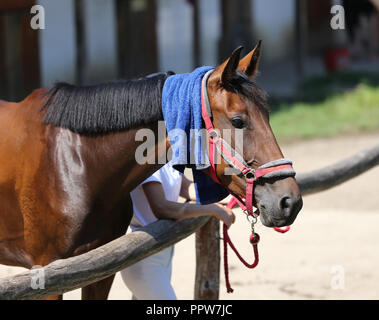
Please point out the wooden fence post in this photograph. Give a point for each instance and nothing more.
(81, 44)
(137, 38)
(301, 28)
(207, 279)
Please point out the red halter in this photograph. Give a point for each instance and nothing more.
(281, 167)
(233, 158)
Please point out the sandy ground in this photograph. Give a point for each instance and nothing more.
(331, 252)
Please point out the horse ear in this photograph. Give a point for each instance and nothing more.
(249, 64)
(229, 67)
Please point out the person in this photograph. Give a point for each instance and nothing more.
(157, 198)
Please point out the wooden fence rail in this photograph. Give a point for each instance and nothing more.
(68, 274)
(76, 272)
(333, 175)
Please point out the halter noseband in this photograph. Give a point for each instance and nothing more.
(277, 168)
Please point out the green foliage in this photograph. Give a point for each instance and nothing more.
(321, 87)
(349, 112)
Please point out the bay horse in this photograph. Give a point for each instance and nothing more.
(67, 162)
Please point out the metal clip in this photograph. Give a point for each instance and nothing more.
(252, 219)
(251, 174)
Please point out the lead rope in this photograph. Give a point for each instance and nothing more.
(254, 240)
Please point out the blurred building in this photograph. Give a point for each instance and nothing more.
(88, 41)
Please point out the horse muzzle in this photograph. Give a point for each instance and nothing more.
(278, 202)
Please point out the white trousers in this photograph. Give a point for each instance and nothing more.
(150, 278)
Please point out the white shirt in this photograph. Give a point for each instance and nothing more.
(171, 181)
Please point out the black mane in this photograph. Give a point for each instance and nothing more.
(123, 104)
(107, 107)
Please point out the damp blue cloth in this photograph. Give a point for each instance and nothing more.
(181, 107)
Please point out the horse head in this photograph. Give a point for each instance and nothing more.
(238, 103)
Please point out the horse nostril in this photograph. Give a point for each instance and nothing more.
(285, 203)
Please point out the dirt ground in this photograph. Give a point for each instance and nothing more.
(331, 252)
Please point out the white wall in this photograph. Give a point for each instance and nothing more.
(101, 40)
(57, 41)
(274, 23)
(175, 35)
(210, 26)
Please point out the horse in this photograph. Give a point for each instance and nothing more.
(67, 161)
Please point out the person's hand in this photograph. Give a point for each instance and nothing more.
(223, 213)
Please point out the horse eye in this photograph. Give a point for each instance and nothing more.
(238, 123)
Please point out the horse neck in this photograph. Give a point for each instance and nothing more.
(119, 153)
(148, 155)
